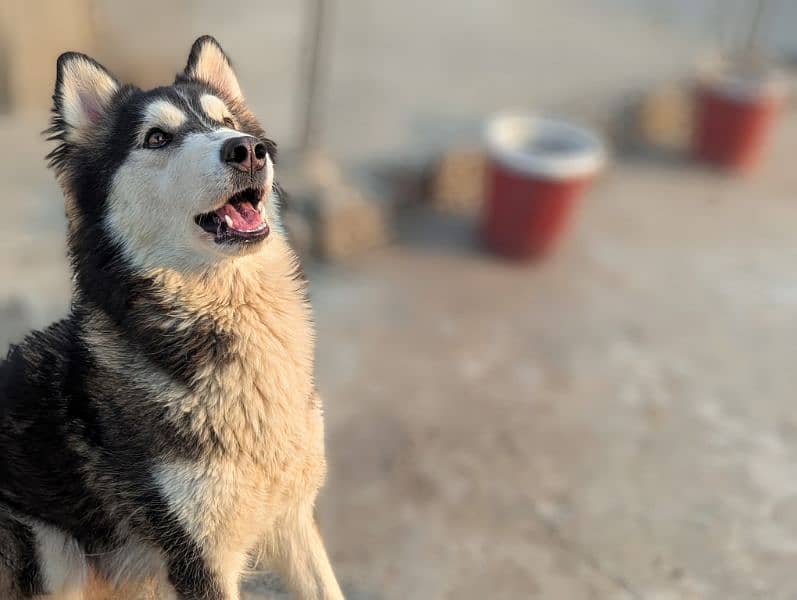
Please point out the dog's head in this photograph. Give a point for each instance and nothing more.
(178, 176)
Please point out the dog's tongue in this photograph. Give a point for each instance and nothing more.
(243, 215)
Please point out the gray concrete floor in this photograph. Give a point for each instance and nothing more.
(614, 423)
(617, 422)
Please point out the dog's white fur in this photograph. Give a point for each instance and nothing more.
(214, 107)
(155, 195)
(164, 114)
(64, 566)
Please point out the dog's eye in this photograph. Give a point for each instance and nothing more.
(157, 138)
(229, 122)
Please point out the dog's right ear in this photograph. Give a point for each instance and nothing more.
(207, 62)
(83, 92)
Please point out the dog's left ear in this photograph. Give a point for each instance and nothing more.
(208, 63)
(83, 91)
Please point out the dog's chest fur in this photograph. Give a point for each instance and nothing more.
(253, 410)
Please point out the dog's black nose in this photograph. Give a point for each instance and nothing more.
(245, 153)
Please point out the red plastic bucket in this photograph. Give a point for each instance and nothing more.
(537, 170)
(734, 116)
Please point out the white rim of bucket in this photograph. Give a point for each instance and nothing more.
(720, 76)
(507, 134)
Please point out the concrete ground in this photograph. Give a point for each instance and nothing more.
(617, 422)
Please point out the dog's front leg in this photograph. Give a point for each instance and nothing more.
(194, 579)
(300, 559)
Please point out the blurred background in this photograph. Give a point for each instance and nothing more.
(611, 416)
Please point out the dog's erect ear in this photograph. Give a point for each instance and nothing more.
(83, 92)
(208, 63)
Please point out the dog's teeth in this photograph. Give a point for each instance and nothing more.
(228, 220)
(263, 210)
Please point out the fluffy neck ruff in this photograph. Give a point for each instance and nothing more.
(190, 324)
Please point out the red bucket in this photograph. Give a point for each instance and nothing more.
(537, 170)
(734, 116)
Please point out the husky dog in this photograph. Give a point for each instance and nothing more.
(168, 429)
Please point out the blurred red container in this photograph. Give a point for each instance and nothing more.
(734, 116)
(537, 170)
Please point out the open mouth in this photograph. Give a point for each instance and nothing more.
(240, 220)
